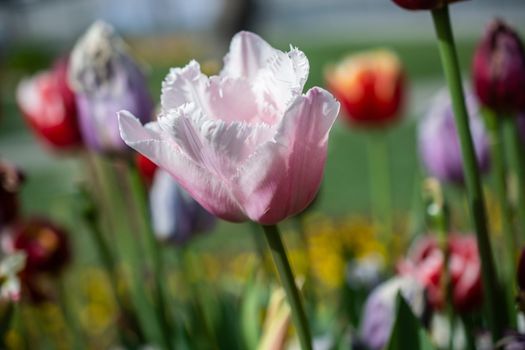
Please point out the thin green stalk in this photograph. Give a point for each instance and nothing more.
(288, 281)
(142, 214)
(494, 125)
(119, 295)
(131, 333)
(126, 241)
(71, 322)
(6, 318)
(518, 164)
(379, 174)
(469, 332)
(496, 317)
(187, 263)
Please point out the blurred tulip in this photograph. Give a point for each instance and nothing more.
(370, 86)
(379, 311)
(246, 144)
(146, 168)
(45, 244)
(365, 272)
(10, 268)
(512, 341)
(48, 105)
(499, 69)
(439, 146)
(106, 79)
(425, 263)
(423, 4)
(10, 181)
(176, 216)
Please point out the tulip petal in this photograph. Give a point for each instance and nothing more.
(277, 77)
(185, 85)
(283, 176)
(162, 149)
(214, 144)
(248, 54)
(281, 80)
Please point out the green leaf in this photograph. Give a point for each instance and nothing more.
(408, 333)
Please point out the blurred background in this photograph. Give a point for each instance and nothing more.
(168, 33)
(164, 33)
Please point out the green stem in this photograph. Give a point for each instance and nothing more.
(70, 320)
(495, 315)
(287, 279)
(121, 297)
(6, 318)
(127, 242)
(380, 183)
(470, 332)
(142, 214)
(130, 333)
(494, 126)
(518, 164)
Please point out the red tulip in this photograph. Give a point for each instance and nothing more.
(499, 69)
(370, 87)
(423, 4)
(45, 244)
(146, 168)
(49, 107)
(425, 262)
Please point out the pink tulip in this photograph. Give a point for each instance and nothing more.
(246, 144)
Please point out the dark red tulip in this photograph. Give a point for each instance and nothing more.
(46, 245)
(48, 105)
(370, 87)
(423, 4)
(499, 69)
(425, 262)
(10, 180)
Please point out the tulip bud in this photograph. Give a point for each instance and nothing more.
(380, 308)
(423, 4)
(439, 142)
(370, 87)
(176, 216)
(45, 244)
(425, 263)
(48, 106)
(499, 69)
(105, 80)
(10, 181)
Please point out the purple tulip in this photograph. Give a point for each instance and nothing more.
(512, 341)
(176, 216)
(106, 79)
(439, 143)
(380, 308)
